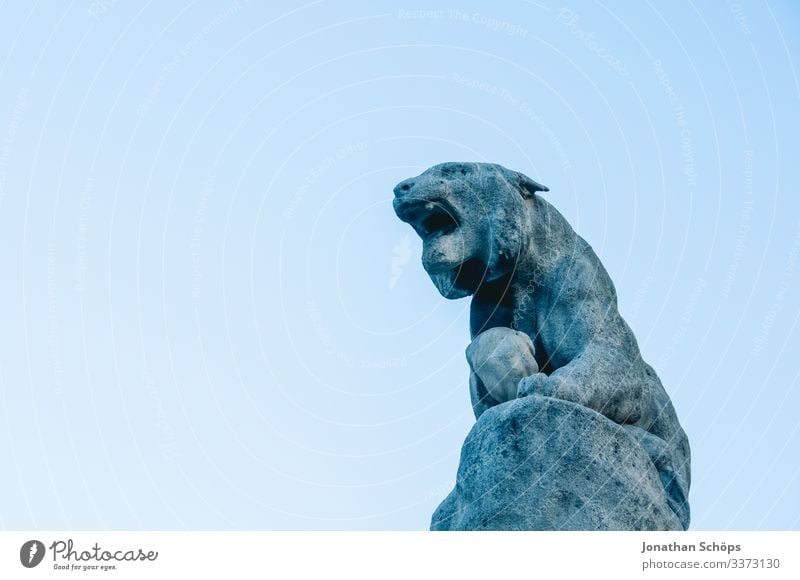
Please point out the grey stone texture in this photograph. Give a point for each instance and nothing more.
(574, 429)
(499, 359)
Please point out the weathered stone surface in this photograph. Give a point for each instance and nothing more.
(487, 233)
(538, 463)
(499, 359)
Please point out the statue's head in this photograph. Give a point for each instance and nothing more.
(474, 221)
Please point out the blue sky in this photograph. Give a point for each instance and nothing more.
(212, 318)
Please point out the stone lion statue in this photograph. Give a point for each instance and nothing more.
(544, 324)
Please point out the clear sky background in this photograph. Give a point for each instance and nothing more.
(212, 319)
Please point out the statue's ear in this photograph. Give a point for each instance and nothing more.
(524, 184)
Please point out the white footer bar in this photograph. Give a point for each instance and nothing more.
(377, 555)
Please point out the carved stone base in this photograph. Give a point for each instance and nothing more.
(538, 463)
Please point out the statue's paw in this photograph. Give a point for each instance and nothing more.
(557, 387)
(532, 385)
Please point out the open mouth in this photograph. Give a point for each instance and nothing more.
(439, 221)
(429, 218)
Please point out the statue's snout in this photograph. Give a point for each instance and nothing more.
(403, 187)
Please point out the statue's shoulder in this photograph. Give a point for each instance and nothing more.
(577, 274)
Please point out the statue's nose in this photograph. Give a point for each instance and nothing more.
(403, 187)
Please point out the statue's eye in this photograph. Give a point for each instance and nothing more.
(438, 222)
